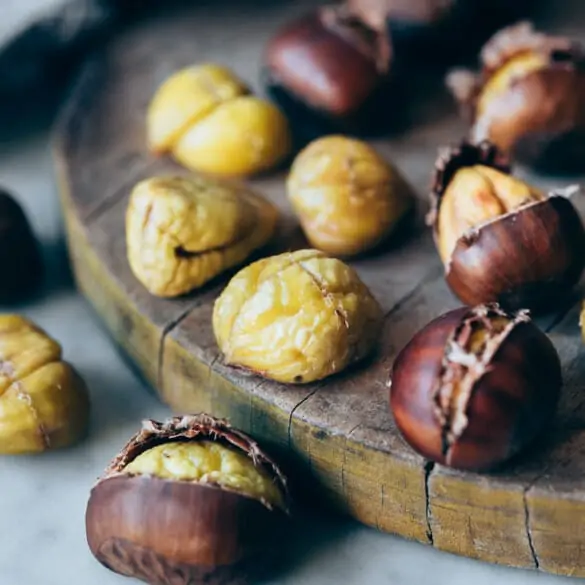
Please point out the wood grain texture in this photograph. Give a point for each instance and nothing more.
(337, 434)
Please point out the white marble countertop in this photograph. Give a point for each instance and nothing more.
(42, 499)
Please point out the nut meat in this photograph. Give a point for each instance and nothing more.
(182, 232)
(297, 317)
(347, 196)
(43, 401)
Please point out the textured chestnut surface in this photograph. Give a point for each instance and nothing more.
(513, 396)
(182, 532)
(540, 117)
(20, 257)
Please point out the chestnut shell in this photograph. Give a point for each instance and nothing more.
(438, 30)
(528, 258)
(328, 72)
(540, 119)
(180, 532)
(513, 397)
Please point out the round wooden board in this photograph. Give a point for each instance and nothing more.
(338, 434)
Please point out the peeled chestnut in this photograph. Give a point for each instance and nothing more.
(188, 501)
(328, 67)
(499, 238)
(475, 387)
(529, 98)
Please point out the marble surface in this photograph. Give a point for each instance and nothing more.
(42, 498)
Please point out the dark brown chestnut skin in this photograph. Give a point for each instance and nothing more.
(528, 258)
(20, 256)
(164, 531)
(507, 391)
(328, 70)
(540, 118)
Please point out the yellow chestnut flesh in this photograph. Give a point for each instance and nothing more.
(183, 231)
(205, 118)
(187, 97)
(43, 401)
(347, 197)
(502, 79)
(210, 463)
(477, 195)
(297, 317)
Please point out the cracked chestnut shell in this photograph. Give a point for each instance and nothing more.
(327, 69)
(183, 531)
(475, 387)
(500, 239)
(297, 317)
(182, 232)
(528, 98)
(20, 256)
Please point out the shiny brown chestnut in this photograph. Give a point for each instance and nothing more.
(20, 256)
(475, 387)
(500, 239)
(529, 97)
(328, 68)
(188, 501)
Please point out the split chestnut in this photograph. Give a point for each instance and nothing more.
(188, 501)
(475, 387)
(500, 239)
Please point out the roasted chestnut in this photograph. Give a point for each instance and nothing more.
(475, 387)
(529, 98)
(329, 69)
(499, 238)
(347, 197)
(206, 118)
(296, 318)
(188, 501)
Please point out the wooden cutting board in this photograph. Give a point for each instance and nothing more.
(338, 434)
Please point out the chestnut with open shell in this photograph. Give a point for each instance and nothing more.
(528, 98)
(475, 387)
(500, 239)
(188, 522)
